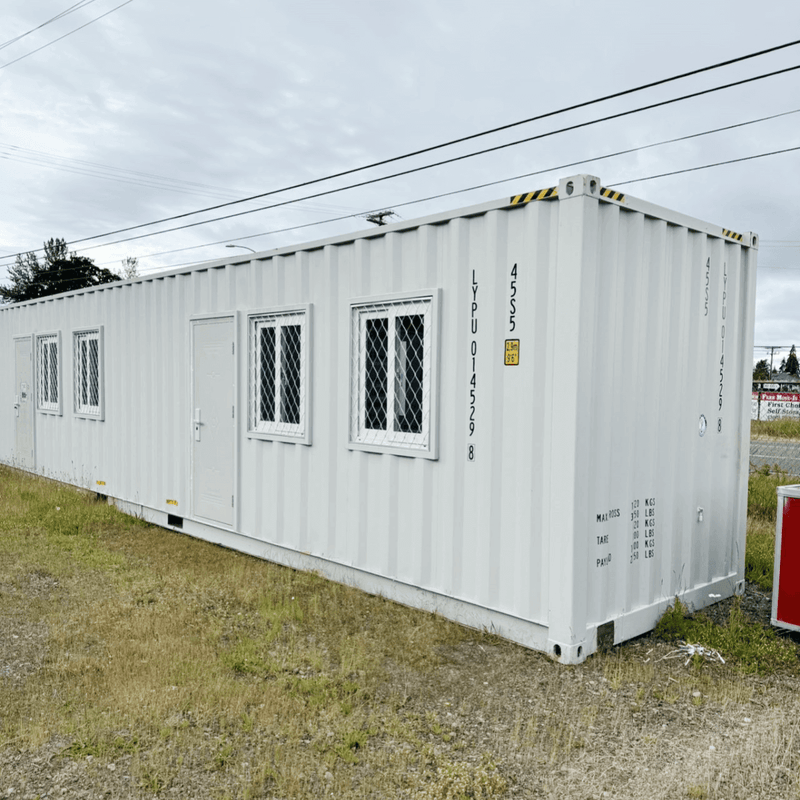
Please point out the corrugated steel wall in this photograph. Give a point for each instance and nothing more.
(648, 391)
(618, 311)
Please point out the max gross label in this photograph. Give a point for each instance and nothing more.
(643, 529)
(609, 533)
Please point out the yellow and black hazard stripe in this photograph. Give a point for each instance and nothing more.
(737, 237)
(539, 194)
(612, 195)
(549, 194)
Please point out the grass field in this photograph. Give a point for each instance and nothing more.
(137, 662)
(787, 428)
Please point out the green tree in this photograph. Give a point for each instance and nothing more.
(60, 271)
(761, 371)
(792, 367)
(130, 268)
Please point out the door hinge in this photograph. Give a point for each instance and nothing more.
(231, 501)
(233, 412)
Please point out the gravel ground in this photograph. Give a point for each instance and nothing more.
(756, 606)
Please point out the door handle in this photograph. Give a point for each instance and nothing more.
(197, 424)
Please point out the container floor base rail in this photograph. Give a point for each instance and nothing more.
(643, 620)
(534, 635)
(601, 636)
(637, 622)
(528, 633)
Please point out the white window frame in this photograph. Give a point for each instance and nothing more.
(276, 429)
(82, 406)
(48, 378)
(422, 444)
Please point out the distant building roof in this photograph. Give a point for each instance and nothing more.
(778, 382)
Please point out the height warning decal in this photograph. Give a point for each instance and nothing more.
(512, 353)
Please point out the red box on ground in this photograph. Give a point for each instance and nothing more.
(786, 578)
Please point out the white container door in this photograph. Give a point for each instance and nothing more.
(23, 404)
(213, 423)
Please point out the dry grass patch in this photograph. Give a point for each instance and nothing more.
(786, 428)
(180, 659)
(158, 665)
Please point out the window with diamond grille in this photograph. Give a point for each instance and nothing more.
(278, 366)
(47, 373)
(391, 391)
(87, 378)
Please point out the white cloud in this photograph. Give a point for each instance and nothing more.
(250, 96)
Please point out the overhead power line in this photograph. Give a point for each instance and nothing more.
(470, 137)
(75, 30)
(57, 17)
(79, 166)
(402, 173)
(439, 195)
(41, 158)
(706, 166)
(411, 202)
(488, 184)
(412, 170)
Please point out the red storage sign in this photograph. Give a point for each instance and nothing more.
(786, 580)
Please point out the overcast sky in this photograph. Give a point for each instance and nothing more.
(162, 108)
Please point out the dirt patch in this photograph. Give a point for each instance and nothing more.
(756, 606)
(23, 639)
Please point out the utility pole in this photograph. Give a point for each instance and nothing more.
(772, 348)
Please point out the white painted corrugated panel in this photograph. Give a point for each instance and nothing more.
(559, 494)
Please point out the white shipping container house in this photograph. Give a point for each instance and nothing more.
(530, 416)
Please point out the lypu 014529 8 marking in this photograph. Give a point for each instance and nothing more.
(473, 363)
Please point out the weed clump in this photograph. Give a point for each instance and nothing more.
(762, 488)
(784, 428)
(749, 646)
(762, 504)
(759, 560)
(462, 781)
(675, 624)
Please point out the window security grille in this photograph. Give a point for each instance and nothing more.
(391, 374)
(278, 355)
(47, 373)
(86, 361)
